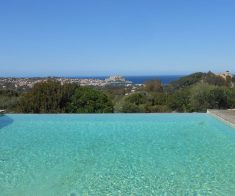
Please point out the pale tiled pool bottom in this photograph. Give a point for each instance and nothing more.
(116, 154)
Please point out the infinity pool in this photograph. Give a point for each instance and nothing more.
(116, 154)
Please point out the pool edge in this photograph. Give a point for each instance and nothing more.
(215, 115)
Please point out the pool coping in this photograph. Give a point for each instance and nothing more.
(222, 115)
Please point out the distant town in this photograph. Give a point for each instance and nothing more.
(28, 83)
(25, 83)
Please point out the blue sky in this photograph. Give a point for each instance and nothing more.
(128, 37)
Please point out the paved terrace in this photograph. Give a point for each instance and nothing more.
(226, 115)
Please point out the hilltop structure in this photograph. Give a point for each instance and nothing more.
(117, 81)
(225, 75)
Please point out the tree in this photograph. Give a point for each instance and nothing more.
(47, 97)
(204, 96)
(136, 98)
(180, 100)
(128, 107)
(88, 100)
(134, 103)
(221, 98)
(8, 100)
(199, 97)
(153, 86)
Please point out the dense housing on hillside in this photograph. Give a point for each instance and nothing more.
(28, 83)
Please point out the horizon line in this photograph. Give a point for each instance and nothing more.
(101, 75)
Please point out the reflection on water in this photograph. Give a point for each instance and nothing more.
(5, 121)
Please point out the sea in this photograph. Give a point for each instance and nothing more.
(165, 79)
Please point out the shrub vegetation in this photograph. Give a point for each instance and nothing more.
(194, 93)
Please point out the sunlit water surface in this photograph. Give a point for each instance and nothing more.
(120, 154)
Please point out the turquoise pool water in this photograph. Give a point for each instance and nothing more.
(120, 154)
